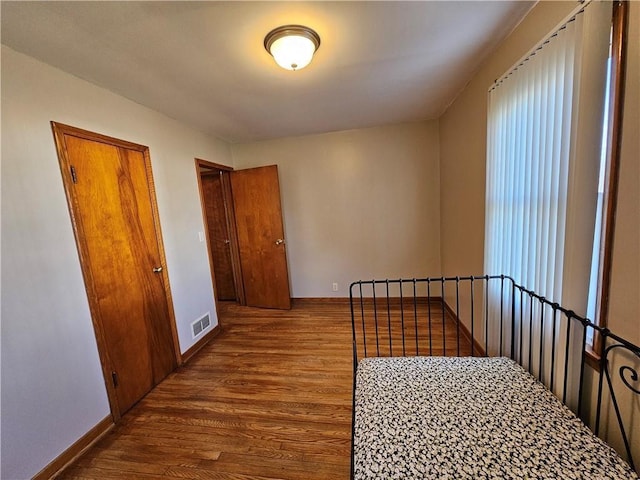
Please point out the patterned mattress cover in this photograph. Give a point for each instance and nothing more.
(464, 418)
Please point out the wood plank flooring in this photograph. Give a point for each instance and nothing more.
(269, 398)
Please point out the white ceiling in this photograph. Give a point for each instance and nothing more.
(203, 63)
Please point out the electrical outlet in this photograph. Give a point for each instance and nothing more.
(335, 286)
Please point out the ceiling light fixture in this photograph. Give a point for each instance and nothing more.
(292, 46)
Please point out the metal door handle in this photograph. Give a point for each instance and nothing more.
(279, 241)
(157, 269)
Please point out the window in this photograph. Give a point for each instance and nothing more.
(596, 257)
(608, 181)
(545, 122)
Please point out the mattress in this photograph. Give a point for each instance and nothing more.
(469, 418)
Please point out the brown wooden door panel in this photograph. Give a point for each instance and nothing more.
(114, 215)
(219, 237)
(258, 215)
(145, 242)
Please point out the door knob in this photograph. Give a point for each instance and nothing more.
(279, 241)
(157, 269)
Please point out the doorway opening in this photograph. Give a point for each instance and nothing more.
(244, 229)
(220, 231)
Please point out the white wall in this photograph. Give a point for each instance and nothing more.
(624, 306)
(624, 298)
(52, 386)
(356, 204)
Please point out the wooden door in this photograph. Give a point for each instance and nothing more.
(261, 242)
(219, 235)
(111, 199)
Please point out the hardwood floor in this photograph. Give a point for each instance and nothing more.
(269, 398)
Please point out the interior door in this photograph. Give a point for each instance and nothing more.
(110, 195)
(219, 235)
(261, 242)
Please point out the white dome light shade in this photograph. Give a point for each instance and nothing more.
(293, 53)
(292, 46)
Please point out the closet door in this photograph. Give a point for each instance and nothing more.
(112, 204)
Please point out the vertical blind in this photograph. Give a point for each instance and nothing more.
(545, 123)
(544, 128)
(530, 121)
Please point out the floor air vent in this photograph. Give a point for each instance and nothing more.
(200, 325)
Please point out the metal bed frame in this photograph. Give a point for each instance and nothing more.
(496, 317)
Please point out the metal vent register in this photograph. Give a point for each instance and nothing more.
(200, 325)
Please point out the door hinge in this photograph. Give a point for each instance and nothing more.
(114, 376)
(74, 176)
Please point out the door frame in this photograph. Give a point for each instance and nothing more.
(59, 130)
(231, 227)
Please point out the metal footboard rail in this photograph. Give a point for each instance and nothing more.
(491, 315)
